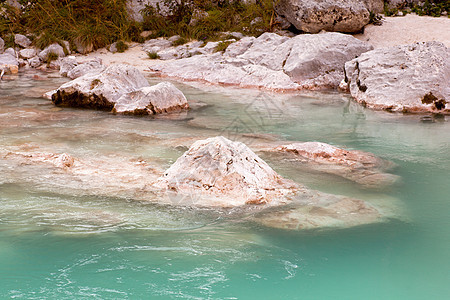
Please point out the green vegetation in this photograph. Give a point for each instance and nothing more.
(153, 55)
(89, 23)
(222, 46)
(219, 16)
(180, 41)
(433, 8)
(121, 46)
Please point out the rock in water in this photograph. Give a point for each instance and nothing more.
(410, 78)
(220, 173)
(8, 63)
(121, 88)
(358, 166)
(161, 98)
(329, 212)
(313, 16)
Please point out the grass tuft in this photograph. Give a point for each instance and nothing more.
(153, 55)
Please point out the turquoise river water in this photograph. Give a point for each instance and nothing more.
(58, 245)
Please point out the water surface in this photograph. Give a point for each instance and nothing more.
(59, 245)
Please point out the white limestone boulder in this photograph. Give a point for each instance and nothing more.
(161, 98)
(220, 173)
(411, 78)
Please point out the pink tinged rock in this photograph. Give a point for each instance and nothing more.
(411, 78)
(161, 98)
(222, 173)
(358, 166)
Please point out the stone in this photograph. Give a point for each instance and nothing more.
(239, 47)
(135, 7)
(82, 68)
(2, 45)
(156, 45)
(27, 53)
(349, 16)
(375, 6)
(8, 64)
(409, 78)
(21, 40)
(318, 60)
(53, 48)
(100, 90)
(322, 212)
(222, 173)
(11, 52)
(35, 62)
(161, 98)
(361, 167)
(400, 4)
(83, 48)
(270, 61)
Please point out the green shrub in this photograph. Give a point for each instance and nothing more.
(121, 46)
(222, 46)
(180, 41)
(153, 55)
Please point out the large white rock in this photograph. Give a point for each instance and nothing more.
(272, 62)
(120, 88)
(100, 90)
(411, 78)
(161, 98)
(318, 59)
(222, 173)
(313, 16)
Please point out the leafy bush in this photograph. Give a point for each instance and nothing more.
(121, 46)
(89, 23)
(220, 16)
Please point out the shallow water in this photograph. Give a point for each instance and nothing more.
(63, 245)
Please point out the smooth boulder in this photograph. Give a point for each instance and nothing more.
(54, 48)
(312, 16)
(161, 98)
(21, 40)
(411, 78)
(218, 172)
(121, 89)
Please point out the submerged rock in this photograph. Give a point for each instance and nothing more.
(329, 212)
(119, 88)
(358, 166)
(223, 173)
(411, 78)
(272, 62)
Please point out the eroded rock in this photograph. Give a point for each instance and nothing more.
(313, 16)
(161, 98)
(22, 40)
(8, 64)
(358, 166)
(100, 90)
(223, 173)
(411, 78)
(271, 61)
